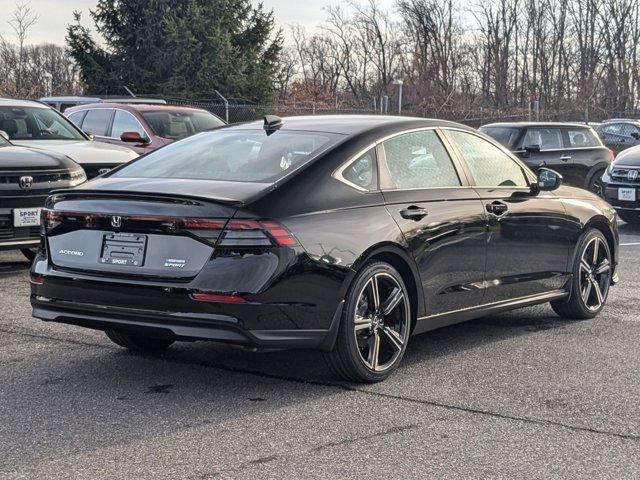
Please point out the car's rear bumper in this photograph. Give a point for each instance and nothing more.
(180, 326)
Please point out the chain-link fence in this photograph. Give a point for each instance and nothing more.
(244, 112)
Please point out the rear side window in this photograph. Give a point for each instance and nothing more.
(77, 118)
(231, 155)
(489, 165)
(582, 138)
(361, 171)
(507, 136)
(544, 138)
(419, 160)
(97, 121)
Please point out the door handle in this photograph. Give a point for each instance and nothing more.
(497, 208)
(413, 212)
(565, 158)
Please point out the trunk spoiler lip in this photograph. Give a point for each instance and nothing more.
(69, 193)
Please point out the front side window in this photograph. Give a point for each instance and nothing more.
(489, 165)
(582, 138)
(230, 155)
(361, 171)
(36, 123)
(419, 160)
(543, 138)
(96, 122)
(178, 124)
(125, 122)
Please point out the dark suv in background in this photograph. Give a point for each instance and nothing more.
(141, 127)
(619, 133)
(26, 178)
(573, 150)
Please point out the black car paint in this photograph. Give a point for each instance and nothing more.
(578, 166)
(295, 294)
(47, 171)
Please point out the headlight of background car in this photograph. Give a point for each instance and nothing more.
(78, 177)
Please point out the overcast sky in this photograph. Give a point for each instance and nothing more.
(54, 15)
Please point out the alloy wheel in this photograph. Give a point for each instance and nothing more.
(381, 322)
(595, 274)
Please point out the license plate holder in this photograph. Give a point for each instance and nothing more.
(123, 249)
(627, 194)
(26, 217)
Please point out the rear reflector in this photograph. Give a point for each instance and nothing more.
(217, 298)
(36, 279)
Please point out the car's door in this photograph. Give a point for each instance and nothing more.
(543, 146)
(124, 121)
(441, 217)
(528, 236)
(589, 158)
(97, 122)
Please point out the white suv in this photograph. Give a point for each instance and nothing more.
(34, 124)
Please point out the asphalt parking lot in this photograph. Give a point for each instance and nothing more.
(517, 395)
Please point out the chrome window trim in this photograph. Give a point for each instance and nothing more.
(337, 173)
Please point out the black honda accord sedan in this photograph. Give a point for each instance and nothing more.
(344, 233)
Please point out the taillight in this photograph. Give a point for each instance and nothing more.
(254, 233)
(52, 218)
(36, 279)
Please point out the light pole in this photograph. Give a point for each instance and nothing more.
(399, 83)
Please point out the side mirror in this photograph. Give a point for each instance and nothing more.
(4, 135)
(133, 137)
(532, 149)
(547, 180)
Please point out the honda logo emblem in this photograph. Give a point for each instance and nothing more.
(25, 182)
(632, 175)
(116, 221)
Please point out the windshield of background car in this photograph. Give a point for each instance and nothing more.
(34, 123)
(230, 155)
(507, 136)
(178, 124)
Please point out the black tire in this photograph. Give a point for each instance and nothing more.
(138, 343)
(29, 253)
(368, 331)
(595, 183)
(629, 217)
(582, 281)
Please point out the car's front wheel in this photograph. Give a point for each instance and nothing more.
(138, 343)
(375, 326)
(591, 278)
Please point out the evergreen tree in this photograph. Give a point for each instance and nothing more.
(179, 47)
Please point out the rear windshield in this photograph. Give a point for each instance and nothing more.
(507, 136)
(178, 124)
(36, 123)
(230, 155)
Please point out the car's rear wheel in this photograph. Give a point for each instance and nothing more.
(629, 217)
(138, 343)
(375, 326)
(591, 278)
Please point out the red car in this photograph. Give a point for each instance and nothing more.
(141, 127)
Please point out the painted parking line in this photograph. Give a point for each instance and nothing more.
(629, 244)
